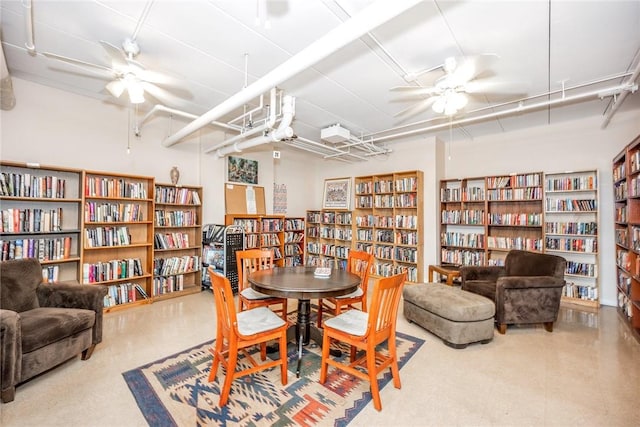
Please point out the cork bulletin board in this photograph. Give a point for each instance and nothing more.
(244, 199)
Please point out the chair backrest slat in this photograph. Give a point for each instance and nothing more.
(223, 295)
(251, 260)
(359, 262)
(384, 305)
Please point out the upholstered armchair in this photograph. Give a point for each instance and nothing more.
(527, 289)
(43, 324)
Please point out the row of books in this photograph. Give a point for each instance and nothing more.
(294, 224)
(406, 200)
(124, 293)
(293, 237)
(620, 191)
(572, 290)
(462, 256)
(177, 195)
(166, 285)
(384, 236)
(467, 240)
(463, 194)
(335, 233)
(383, 202)
(406, 237)
(572, 244)
(107, 236)
(51, 274)
(114, 187)
(570, 205)
(590, 227)
(28, 185)
(364, 202)
(581, 269)
(291, 250)
(522, 243)
(513, 181)
(111, 270)
(171, 240)
(572, 183)
(406, 255)
(176, 265)
(113, 212)
(406, 184)
(388, 269)
(532, 219)
(466, 217)
(509, 194)
(44, 249)
(175, 218)
(30, 220)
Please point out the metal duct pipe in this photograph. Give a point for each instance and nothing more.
(624, 94)
(159, 107)
(519, 109)
(371, 17)
(283, 131)
(7, 96)
(268, 125)
(28, 21)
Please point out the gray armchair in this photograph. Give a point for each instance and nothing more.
(527, 289)
(43, 324)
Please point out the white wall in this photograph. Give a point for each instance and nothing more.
(54, 127)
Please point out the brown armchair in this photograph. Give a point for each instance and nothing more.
(527, 289)
(43, 324)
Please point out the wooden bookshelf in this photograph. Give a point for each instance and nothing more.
(389, 222)
(626, 190)
(41, 217)
(177, 241)
(294, 241)
(483, 218)
(571, 231)
(117, 236)
(261, 231)
(463, 222)
(328, 237)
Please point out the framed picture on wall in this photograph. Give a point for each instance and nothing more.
(242, 170)
(337, 193)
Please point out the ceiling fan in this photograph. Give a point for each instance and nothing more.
(127, 74)
(450, 92)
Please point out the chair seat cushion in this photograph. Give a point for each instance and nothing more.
(45, 325)
(353, 322)
(258, 320)
(250, 293)
(357, 293)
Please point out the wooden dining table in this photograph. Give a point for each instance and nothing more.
(302, 284)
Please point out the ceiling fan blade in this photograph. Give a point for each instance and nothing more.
(469, 67)
(495, 87)
(159, 78)
(162, 95)
(79, 63)
(415, 90)
(417, 108)
(117, 56)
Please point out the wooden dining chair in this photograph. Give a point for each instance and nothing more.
(365, 331)
(248, 261)
(237, 331)
(358, 262)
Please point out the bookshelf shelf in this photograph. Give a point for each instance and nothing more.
(388, 222)
(177, 262)
(294, 242)
(571, 231)
(328, 237)
(627, 233)
(40, 217)
(117, 245)
(262, 231)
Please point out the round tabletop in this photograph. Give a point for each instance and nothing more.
(301, 283)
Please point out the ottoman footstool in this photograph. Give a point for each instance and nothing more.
(458, 317)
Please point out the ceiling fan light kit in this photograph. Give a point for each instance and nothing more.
(449, 103)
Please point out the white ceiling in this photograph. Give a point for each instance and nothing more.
(213, 46)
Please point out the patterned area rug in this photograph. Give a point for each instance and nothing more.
(174, 391)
